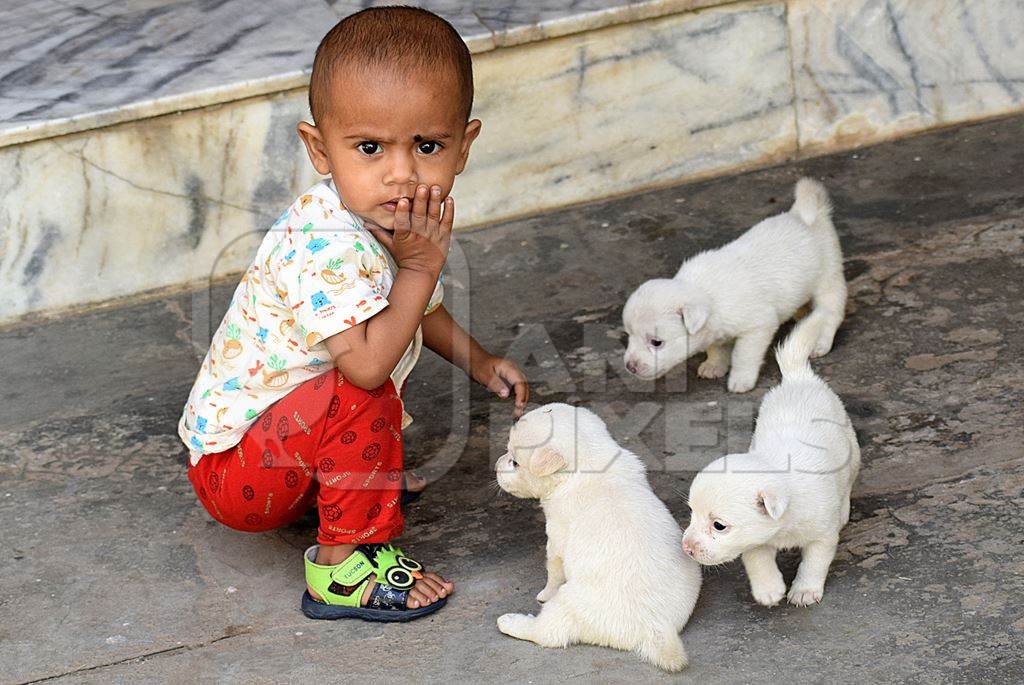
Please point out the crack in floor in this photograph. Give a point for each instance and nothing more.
(177, 649)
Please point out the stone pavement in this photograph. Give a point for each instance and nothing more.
(111, 571)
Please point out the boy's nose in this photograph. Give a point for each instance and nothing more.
(402, 172)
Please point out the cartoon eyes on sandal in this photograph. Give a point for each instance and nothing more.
(409, 564)
(719, 526)
(399, 578)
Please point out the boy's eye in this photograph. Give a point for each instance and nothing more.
(428, 147)
(719, 525)
(369, 147)
(655, 342)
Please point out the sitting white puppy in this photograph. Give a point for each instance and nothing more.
(791, 490)
(741, 292)
(617, 576)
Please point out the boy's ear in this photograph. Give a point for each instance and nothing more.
(315, 147)
(545, 461)
(472, 131)
(772, 504)
(694, 317)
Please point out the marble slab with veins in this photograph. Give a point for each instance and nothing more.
(68, 66)
(870, 69)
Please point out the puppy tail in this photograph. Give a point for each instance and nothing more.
(812, 204)
(794, 354)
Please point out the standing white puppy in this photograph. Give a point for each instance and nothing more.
(791, 490)
(731, 301)
(617, 576)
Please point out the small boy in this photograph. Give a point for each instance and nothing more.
(298, 400)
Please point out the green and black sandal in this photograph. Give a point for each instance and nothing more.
(342, 585)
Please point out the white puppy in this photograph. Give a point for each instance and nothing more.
(791, 490)
(741, 292)
(617, 576)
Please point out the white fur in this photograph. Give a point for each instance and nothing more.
(791, 489)
(617, 576)
(731, 301)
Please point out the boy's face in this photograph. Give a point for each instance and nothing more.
(383, 136)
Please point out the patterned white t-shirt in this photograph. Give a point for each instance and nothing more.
(317, 272)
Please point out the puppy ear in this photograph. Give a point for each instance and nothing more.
(694, 317)
(772, 504)
(545, 461)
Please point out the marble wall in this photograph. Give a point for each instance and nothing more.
(184, 197)
(177, 198)
(865, 70)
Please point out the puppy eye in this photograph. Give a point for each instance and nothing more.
(719, 525)
(655, 342)
(515, 464)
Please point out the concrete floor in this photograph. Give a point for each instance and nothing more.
(112, 572)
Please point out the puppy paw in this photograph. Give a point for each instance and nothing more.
(515, 625)
(821, 348)
(546, 594)
(768, 594)
(738, 383)
(805, 596)
(712, 369)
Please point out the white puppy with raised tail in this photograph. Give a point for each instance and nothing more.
(731, 301)
(791, 490)
(617, 576)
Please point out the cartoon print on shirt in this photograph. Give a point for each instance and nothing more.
(232, 345)
(317, 244)
(277, 376)
(271, 337)
(319, 300)
(330, 273)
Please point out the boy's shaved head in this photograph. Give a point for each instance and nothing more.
(397, 39)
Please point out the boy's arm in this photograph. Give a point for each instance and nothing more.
(447, 338)
(367, 353)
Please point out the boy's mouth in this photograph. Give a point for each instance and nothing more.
(392, 204)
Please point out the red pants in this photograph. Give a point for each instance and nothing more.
(327, 441)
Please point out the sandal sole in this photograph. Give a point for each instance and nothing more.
(327, 612)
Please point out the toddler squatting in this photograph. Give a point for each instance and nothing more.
(298, 401)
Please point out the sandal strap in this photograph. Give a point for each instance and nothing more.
(343, 583)
(388, 598)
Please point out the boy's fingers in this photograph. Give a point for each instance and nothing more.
(402, 215)
(434, 207)
(419, 208)
(498, 386)
(449, 214)
(522, 390)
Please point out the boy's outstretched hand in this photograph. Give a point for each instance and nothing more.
(504, 378)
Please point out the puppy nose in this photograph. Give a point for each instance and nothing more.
(631, 366)
(689, 548)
